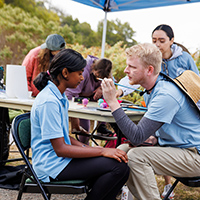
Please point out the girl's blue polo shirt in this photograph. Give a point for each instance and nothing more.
(49, 120)
(168, 104)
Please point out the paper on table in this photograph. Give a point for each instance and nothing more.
(16, 82)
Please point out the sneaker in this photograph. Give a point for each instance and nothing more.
(166, 189)
(102, 130)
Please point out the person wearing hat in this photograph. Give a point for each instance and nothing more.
(39, 58)
(171, 112)
(176, 59)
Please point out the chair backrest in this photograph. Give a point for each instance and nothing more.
(21, 131)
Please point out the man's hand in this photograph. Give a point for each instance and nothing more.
(151, 140)
(109, 93)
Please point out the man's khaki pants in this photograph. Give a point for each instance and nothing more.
(145, 162)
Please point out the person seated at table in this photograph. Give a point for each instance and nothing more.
(38, 59)
(169, 110)
(90, 88)
(55, 154)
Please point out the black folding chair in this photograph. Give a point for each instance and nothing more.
(21, 131)
(94, 137)
(188, 181)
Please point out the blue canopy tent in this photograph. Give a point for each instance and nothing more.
(125, 5)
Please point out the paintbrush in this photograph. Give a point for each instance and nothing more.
(122, 85)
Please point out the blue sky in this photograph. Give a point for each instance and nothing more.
(184, 20)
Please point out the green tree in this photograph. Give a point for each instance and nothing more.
(20, 32)
(27, 5)
(35, 9)
(1, 3)
(85, 35)
(68, 19)
(83, 32)
(116, 31)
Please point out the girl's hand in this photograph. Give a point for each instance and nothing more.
(117, 154)
(119, 93)
(97, 93)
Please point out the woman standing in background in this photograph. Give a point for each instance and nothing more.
(39, 58)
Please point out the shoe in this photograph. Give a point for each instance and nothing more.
(102, 130)
(166, 189)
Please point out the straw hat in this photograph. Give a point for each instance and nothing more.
(189, 83)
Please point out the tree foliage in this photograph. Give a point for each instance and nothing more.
(35, 9)
(78, 32)
(1, 3)
(116, 31)
(196, 57)
(84, 34)
(20, 32)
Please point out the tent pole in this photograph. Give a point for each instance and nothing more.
(104, 35)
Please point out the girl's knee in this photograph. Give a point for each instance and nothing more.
(122, 169)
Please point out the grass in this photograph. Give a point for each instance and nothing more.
(182, 192)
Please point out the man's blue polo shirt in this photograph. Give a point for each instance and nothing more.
(168, 104)
(49, 120)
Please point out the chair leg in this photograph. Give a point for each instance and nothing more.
(171, 189)
(93, 140)
(106, 143)
(43, 192)
(93, 134)
(21, 187)
(49, 196)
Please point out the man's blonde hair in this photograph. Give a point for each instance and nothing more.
(148, 54)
